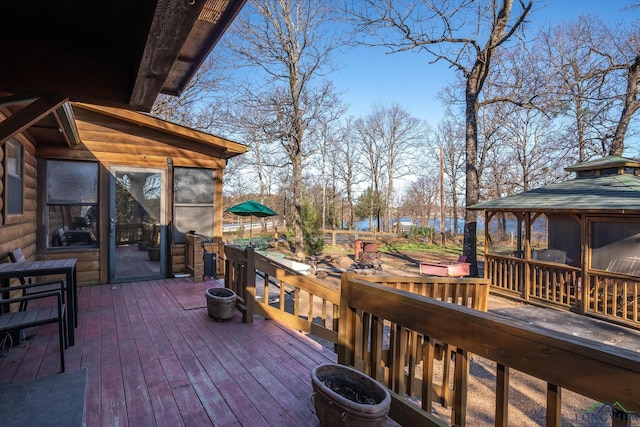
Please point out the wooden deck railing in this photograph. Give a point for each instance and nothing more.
(312, 306)
(240, 277)
(263, 286)
(549, 283)
(392, 332)
(469, 292)
(373, 316)
(609, 296)
(309, 305)
(128, 234)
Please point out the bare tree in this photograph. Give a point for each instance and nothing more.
(464, 33)
(420, 198)
(401, 136)
(593, 79)
(199, 106)
(449, 135)
(530, 137)
(289, 44)
(389, 139)
(349, 165)
(631, 102)
(370, 148)
(328, 137)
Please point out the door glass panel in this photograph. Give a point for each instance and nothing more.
(139, 223)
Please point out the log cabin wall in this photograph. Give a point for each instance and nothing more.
(19, 230)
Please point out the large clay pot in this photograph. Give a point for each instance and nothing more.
(345, 396)
(221, 303)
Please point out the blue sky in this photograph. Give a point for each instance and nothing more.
(370, 75)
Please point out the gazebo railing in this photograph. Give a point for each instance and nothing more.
(554, 284)
(609, 296)
(614, 297)
(506, 274)
(548, 283)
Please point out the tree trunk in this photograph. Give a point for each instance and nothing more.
(472, 184)
(631, 105)
(297, 203)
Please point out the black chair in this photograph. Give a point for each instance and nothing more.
(47, 313)
(33, 287)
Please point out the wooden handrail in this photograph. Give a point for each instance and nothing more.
(601, 372)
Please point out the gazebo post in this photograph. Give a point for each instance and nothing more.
(527, 256)
(583, 294)
(487, 218)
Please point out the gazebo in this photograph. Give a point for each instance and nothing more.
(573, 244)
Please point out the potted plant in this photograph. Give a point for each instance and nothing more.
(343, 395)
(221, 303)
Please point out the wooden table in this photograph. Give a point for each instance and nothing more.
(15, 270)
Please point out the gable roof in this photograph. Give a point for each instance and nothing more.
(604, 162)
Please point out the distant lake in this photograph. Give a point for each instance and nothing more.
(435, 224)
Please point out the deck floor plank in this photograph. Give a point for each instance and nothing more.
(151, 362)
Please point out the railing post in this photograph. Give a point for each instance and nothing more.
(502, 395)
(345, 326)
(461, 385)
(554, 405)
(250, 284)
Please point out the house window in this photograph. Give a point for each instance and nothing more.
(192, 203)
(14, 177)
(72, 204)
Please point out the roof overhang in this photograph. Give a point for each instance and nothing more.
(120, 53)
(605, 194)
(135, 123)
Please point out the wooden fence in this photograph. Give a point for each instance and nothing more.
(613, 297)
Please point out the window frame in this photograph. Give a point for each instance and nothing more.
(178, 235)
(9, 179)
(69, 205)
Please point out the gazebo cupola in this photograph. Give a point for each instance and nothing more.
(606, 166)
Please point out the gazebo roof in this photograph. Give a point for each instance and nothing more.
(611, 193)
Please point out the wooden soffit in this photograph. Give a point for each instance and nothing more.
(121, 53)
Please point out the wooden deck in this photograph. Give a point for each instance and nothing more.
(151, 361)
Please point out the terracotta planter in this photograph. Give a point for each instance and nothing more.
(345, 396)
(221, 303)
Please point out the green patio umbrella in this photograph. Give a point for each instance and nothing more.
(251, 208)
